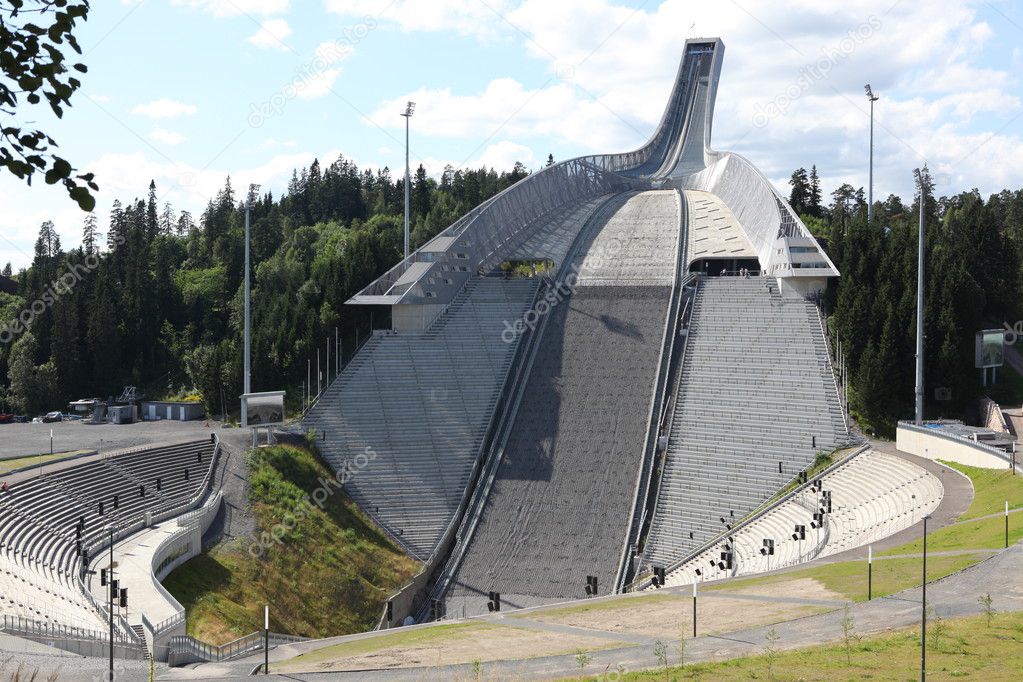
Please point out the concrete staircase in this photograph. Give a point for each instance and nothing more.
(755, 401)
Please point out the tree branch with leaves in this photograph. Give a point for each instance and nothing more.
(34, 36)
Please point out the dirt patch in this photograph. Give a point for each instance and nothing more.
(475, 643)
(672, 615)
(800, 588)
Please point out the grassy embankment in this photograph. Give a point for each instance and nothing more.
(329, 575)
(966, 648)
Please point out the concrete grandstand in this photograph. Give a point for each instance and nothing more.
(551, 437)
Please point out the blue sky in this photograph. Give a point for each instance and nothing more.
(189, 91)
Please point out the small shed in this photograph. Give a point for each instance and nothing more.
(122, 414)
(176, 410)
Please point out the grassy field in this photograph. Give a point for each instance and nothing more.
(329, 573)
(19, 462)
(849, 578)
(992, 487)
(963, 648)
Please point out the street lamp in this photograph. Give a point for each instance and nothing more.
(871, 97)
(923, 611)
(409, 110)
(922, 178)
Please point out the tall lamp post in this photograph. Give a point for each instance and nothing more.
(923, 611)
(248, 355)
(409, 110)
(871, 97)
(922, 179)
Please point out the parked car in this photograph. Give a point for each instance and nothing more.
(6, 418)
(69, 417)
(51, 417)
(21, 419)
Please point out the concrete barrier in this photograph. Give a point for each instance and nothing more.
(933, 444)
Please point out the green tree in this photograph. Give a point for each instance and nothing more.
(33, 68)
(813, 204)
(89, 233)
(32, 387)
(799, 197)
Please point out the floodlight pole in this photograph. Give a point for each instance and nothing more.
(409, 110)
(110, 596)
(266, 639)
(919, 413)
(870, 572)
(248, 353)
(694, 608)
(871, 97)
(923, 612)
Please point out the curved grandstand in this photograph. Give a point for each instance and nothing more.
(666, 373)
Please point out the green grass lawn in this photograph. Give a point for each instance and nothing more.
(849, 578)
(12, 464)
(962, 648)
(992, 487)
(329, 574)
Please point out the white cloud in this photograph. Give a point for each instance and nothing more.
(228, 8)
(272, 143)
(317, 84)
(465, 17)
(271, 34)
(167, 137)
(165, 108)
(611, 69)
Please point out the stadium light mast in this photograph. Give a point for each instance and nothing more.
(919, 402)
(871, 97)
(409, 110)
(248, 353)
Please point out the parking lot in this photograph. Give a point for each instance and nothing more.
(20, 440)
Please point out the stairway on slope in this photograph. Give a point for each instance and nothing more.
(407, 415)
(755, 402)
(561, 501)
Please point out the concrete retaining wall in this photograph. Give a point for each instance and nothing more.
(933, 444)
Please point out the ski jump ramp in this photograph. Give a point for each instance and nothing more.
(521, 426)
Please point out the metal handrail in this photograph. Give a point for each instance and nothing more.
(678, 369)
(502, 419)
(659, 399)
(214, 653)
(843, 400)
